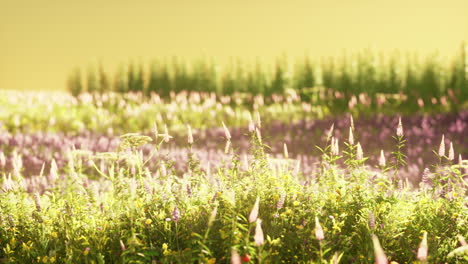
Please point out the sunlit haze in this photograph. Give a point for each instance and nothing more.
(43, 41)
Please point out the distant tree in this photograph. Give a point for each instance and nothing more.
(74, 84)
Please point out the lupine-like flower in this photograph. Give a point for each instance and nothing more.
(254, 213)
(122, 246)
(422, 250)
(53, 175)
(176, 214)
(258, 237)
(2, 160)
(380, 257)
(399, 128)
(280, 203)
(425, 179)
(451, 153)
(227, 134)
(251, 124)
(442, 147)
(330, 132)
(335, 148)
(382, 161)
(235, 257)
(359, 154)
(228, 145)
(351, 137)
(351, 122)
(190, 135)
(318, 230)
(285, 149)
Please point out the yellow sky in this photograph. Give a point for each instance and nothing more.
(42, 41)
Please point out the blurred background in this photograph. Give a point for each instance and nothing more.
(43, 41)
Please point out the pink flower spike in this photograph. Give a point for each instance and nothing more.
(442, 147)
(319, 235)
(380, 257)
(382, 161)
(399, 128)
(254, 213)
(258, 237)
(422, 250)
(351, 137)
(359, 153)
(451, 153)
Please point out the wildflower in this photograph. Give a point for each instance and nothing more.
(382, 161)
(318, 230)
(46, 258)
(359, 154)
(425, 177)
(122, 246)
(334, 146)
(211, 261)
(251, 124)
(246, 258)
(176, 214)
(190, 135)
(296, 203)
(227, 134)
(380, 257)
(351, 137)
(351, 122)
(52, 259)
(422, 250)
(53, 175)
(235, 258)
(228, 145)
(399, 128)
(254, 213)
(86, 251)
(280, 203)
(451, 153)
(442, 147)
(148, 221)
(285, 149)
(330, 132)
(258, 237)
(2, 159)
(54, 234)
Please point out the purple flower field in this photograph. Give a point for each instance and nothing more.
(422, 132)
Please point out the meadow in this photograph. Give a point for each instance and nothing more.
(342, 162)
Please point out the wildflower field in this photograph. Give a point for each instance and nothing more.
(318, 175)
